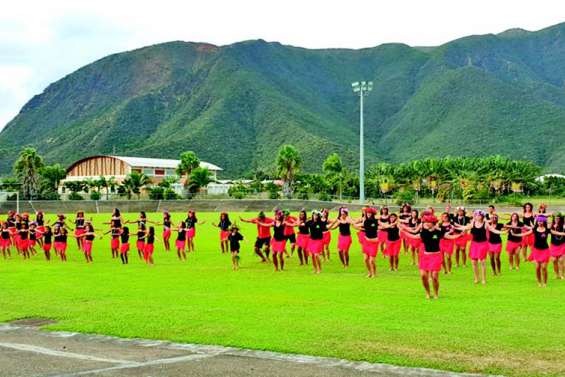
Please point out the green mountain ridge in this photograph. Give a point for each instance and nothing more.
(235, 105)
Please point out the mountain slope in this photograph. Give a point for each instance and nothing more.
(235, 105)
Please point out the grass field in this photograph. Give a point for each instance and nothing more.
(510, 326)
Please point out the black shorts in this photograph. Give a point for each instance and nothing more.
(291, 238)
(235, 251)
(262, 242)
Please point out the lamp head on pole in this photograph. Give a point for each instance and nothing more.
(362, 87)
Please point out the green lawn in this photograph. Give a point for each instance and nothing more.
(510, 326)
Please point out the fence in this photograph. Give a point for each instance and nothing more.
(203, 205)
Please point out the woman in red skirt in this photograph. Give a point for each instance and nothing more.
(430, 260)
(88, 239)
(115, 238)
(393, 242)
(495, 229)
(224, 225)
(316, 241)
(325, 220)
(370, 240)
(167, 227)
(303, 238)
(180, 242)
(529, 220)
(343, 223)
(278, 243)
(47, 237)
(60, 244)
(5, 240)
(413, 226)
(446, 245)
(149, 246)
(541, 253)
(124, 248)
(384, 220)
(80, 227)
(557, 247)
(462, 220)
(479, 245)
(403, 218)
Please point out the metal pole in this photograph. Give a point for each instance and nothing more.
(361, 152)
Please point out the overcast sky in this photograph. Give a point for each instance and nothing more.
(42, 41)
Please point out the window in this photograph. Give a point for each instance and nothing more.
(159, 171)
(136, 170)
(148, 172)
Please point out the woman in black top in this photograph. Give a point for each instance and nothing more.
(224, 225)
(343, 223)
(140, 243)
(47, 236)
(234, 238)
(557, 247)
(479, 245)
(529, 220)
(393, 243)
(80, 227)
(180, 243)
(413, 225)
(316, 243)
(149, 246)
(24, 240)
(495, 229)
(167, 228)
(5, 240)
(514, 242)
(124, 248)
(463, 220)
(403, 218)
(302, 238)
(278, 242)
(383, 219)
(89, 237)
(540, 249)
(370, 241)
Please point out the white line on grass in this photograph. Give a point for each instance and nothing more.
(52, 352)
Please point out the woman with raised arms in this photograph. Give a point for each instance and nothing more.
(343, 223)
(514, 242)
(278, 242)
(303, 237)
(370, 241)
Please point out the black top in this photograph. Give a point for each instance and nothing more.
(529, 221)
(557, 240)
(303, 229)
(345, 229)
(324, 225)
(463, 221)
(413, 223)
(60, 238)
(5, 234)
(79, 223)
(479, 234)
(540, 239)
(371, 228)
(316, 232)
(494, 238)
(124, 237)
(11, 222)
(516, 229)
(115, 232)
(150, 239)
(181, 236)
(140, 235)
(393, 233)
(224, 225)
(32, 235)
(431, 239)
(278, 233)
(39, 221)
(24, 234)
(117, 222)
(166, 223)
(446, 228)
(234, 241)
(89, 237)
(47, 237)
(190, 222)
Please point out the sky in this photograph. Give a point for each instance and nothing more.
(42, 41)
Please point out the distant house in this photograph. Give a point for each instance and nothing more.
(551, 175)
(119, 167)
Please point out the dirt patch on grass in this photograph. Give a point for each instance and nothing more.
(33, 322)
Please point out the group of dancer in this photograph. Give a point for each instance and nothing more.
(429, 239)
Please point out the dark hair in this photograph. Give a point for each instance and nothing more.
(514, 214)
(302, 215)
(528, 204)
(261, 215)
(491, 206)
(116, 212)
(90, 227)
(151, 230)
(182, 224)
(226, 216)
(384, 209)
(415, 211)
(125, 230)
(80, 214)
(167, 215)
(143, 215)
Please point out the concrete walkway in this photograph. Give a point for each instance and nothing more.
(25, 350)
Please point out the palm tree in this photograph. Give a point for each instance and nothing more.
(188, 162)
(288, 164)
(27, 168)
(133, 184)
(200, 177)
(334, 170)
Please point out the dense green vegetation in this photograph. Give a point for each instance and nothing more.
(236, 105)
(508, 327)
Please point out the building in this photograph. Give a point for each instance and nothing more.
(119, 167)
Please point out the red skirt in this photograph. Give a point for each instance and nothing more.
(124, 248)
(4, 244)
(149, 248)
(79, 232)
(430, 261)
(224, 234)
(479, 250)
(528, 240)
(361, 237)
(462, 241)
(327, 238)
(166, 233)
(24, 244)
(190, 233)
(115, 243)
(539, 255)
(180, 244)
(315, 246)
(370, 248)
(415, 243)
(343, 243)
(393, 248)
(512, 246)
(382, 236)
(87, 247)
(140, 245)
(494, 248)
(446, 246)
(302, 241)
(46, 247)
(557, 251)
(278, 246)
(60, 246)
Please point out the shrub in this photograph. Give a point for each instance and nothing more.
(75, 196)
(95, 195)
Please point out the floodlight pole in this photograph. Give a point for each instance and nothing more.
(361, 89)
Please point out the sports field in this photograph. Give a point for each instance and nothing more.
(510, 326)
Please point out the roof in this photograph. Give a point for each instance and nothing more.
(160, 163)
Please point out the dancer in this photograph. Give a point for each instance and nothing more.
(370, 241)
(47, 237)
(529, 219)
(33, 235)
(263, 242)
(60, 237)
(278, 242)
(23, 233)
(384, 219)
(403, 217)
(303, 237)
(88, 239)
(414, 225)
(461, 220)
(40, 225)
(316, 241)
(180, 243)
(5, 240)
(479, 245)
(234, 239)
(191, 221)
(446, 245)
(167, 226)
(149, 246)
(124, 249)
(115, 238)
(557, 247)
(289, 232)
(79, 227)
(343, 223)
(514, 241)
(327, 238)
(224, 224)
(393, 243)
(140, 243)
(494, 243)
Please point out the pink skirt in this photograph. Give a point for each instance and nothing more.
(302, 241)
(370, 248)
(393, 248)
(557, 251)
(462, 241)
(149, 248)
(361, 237)
(166, 233)
(343, 243)
(24, 244)
(494, 248)
(327, 238)
(382, 236)
(539, 255)
(87, 246)
(79, 232)
(46, 247)
(124, 248)
(140, 245)
(512, 246)
(315, 246)
(278, 246)
(115, 243)
(5, 243)
(60, 246)
(528, 240)
(430, 261)
(224, 234)
(180, 244)
(190, 233)
(446, 246)
(479, 250)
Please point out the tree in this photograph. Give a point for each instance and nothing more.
(200, 177)
(288, 165)
(333, 168)
(133, 184)
(53, 175)
(188, 162)
(27, 168)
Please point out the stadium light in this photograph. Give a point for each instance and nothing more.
(361, 89)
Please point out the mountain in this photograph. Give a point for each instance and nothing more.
(235, 105)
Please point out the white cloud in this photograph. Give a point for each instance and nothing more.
(41, 41)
